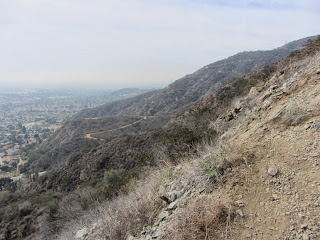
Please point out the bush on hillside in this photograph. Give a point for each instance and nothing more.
(201, 219)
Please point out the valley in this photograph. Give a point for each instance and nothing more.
(30, 116)
(194, 155)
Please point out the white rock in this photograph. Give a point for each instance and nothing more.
(81, 233)
(304, 226)
(240, 213)
(272, 171)
(162, 216)
(275, 196)
(156, 234)
(172, 206)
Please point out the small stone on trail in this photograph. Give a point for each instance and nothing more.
(272, 171)
(156, 234)
(275, 197)
(172, 206)
(81, 233)
(304, 226)
(240, 213)
(162, 216)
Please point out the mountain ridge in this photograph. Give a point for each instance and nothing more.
(190, 88)
(168, 101)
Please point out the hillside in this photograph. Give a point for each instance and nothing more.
(190, 88)
(160, 106)
(258, 180)
(151, 176)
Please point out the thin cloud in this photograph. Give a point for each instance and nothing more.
(124, 40)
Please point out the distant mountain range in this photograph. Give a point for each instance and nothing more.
(190, 88)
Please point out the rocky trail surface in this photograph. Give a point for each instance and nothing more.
(280, 195)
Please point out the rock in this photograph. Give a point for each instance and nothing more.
(81, 233)
(162, 216)
(172, 206)
(173, 196)
(266, 104)
(318, 72)
(178, 168)
(253, 92)
(272, 171)
(275, 197)
(238, 106)
(240, 213)
(156, 234)
(304, 226)
(180, 193)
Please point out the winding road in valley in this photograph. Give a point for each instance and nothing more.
(88, 135)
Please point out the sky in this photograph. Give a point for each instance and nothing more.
(138, 43)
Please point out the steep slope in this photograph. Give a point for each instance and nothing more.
(164, 104)
(281, 191)
(260, 180)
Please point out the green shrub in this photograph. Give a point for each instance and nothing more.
(212, 164)
(111, 176)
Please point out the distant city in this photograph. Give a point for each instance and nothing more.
(29, 116)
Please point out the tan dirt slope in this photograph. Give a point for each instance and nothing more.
(282, 132)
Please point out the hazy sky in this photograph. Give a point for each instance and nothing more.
(125, 43)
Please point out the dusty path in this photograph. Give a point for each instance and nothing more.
(88, 135)
(284, 205)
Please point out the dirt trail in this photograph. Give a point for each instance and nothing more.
(88, 135)
(283, 137)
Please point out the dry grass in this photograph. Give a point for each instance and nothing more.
(128, 213)
(204, 214)
(124, 215)
(201, 218)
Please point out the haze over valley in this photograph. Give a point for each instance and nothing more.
(139, 120)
